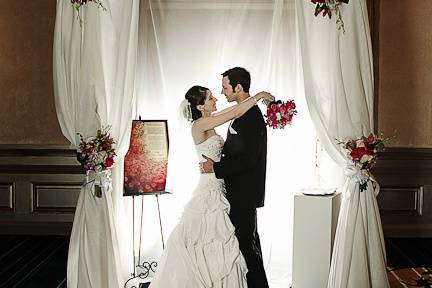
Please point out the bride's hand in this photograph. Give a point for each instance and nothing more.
(265, 96)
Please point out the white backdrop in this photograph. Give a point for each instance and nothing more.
(181, 45)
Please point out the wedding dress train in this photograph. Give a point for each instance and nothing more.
(202, 250)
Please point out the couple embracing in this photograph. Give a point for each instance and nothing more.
(216, 243)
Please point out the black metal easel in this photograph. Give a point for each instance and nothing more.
(144, 267)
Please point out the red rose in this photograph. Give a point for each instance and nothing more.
(290, 105)
(109, 162)
(106, 146)
(274, 107)
(358, 152)
(369, 140)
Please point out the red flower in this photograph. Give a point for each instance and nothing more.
(109, 162)
(358, 152)
(89, 151)
(371, 139)
(350, 144)
(106, 146)
(279, 114)
(290, 105)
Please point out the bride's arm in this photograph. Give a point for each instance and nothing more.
(223, 111)
(236, 111)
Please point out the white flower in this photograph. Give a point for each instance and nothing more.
(278, 116)
(360, 143)
(366, 158)
(88, 139)
(98, 158)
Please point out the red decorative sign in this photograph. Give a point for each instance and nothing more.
(146, 163)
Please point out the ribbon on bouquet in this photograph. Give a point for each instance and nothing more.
(361, 176)
(100, 181)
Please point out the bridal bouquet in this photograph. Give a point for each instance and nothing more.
(362, 152)
(77, 4)
(97, 154)
(279, 113)
(327, 7)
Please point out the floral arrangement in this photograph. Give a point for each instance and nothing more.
(97, 153)
(279, 113)
(77, 4)
(362, 152)
(328, 7)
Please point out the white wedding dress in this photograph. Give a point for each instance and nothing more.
(202, 251)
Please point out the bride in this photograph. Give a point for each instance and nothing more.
(202, 250)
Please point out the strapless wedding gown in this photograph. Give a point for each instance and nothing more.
(202, 251)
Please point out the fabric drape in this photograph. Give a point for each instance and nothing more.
(94, 80)
(338, 83)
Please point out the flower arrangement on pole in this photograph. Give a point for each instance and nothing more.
(362, 152)
(328, 8)
(279, 113)
(96, 155)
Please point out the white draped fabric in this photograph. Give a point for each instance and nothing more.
(184, 44)
(94, 78)
(338, 82)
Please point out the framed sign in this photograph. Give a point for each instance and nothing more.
(146, 162)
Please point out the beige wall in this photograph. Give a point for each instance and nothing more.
(405, 72)
(27, 109)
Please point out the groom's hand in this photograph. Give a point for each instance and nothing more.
(207, 166)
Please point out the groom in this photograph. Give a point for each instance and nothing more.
(243, 168)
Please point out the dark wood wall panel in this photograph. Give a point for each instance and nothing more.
(39, 189)
(6, 197)
(405, 199)
(55, 197)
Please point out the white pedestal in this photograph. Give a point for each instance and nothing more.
(315, 220)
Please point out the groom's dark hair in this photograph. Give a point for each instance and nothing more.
(238, 75)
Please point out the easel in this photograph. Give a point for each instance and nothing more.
(145, 266)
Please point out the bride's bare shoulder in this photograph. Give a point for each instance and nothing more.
(197, 135)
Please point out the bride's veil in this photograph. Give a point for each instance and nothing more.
(184, 113)
(183, 167)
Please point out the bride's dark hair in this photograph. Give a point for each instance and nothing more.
(196, 96)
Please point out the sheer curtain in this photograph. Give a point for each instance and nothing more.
(182, 44)
(338, 80)
(94, 80)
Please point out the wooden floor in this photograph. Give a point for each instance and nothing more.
(40, 261)
(409, 262)
(33, 261)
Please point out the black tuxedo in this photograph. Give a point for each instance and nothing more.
(243, 168)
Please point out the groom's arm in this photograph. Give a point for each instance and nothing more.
(247, 155)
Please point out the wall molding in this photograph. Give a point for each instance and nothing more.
(405, 199)
(7, 197)
(45, 182)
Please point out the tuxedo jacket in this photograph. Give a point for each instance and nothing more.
(243, 160)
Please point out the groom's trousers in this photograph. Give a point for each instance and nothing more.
(245, 223)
